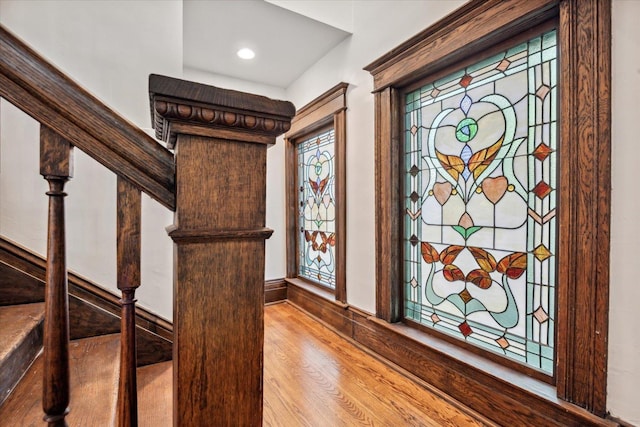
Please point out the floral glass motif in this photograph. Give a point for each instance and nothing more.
(317, 210)
(480, 203)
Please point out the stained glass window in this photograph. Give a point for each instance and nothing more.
(316, 209)
(480, 203)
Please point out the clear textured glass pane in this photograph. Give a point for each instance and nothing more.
(317, 209)
(480, 191)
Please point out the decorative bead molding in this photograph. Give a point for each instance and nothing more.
(166, 111)
(193, 104)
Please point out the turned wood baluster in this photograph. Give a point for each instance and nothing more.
(129, 209)
(56, 168)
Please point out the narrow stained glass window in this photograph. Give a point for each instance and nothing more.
(316, 209)
(480, 203)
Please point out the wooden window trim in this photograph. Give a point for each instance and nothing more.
(327, 110)
(584, 45)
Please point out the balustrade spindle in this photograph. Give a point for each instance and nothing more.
(128, 247)
(56, 168)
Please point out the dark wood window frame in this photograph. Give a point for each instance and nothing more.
(584, 51)
(326, 111)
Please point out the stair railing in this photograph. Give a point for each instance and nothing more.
(216, 184)
(70, 117)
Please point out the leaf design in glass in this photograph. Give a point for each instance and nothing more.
(465, 232)
(485, 260)
(513, 265)
(454, 165)
(452, 273)
(449, 254)
(480, 278)
(318, 187)
(429, 253)
(483, 158)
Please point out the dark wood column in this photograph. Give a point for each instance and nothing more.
(56, 166)
(220, 139)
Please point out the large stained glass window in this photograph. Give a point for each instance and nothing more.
(316, 209)
(480, 203)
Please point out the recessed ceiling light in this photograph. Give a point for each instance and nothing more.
(246, 53)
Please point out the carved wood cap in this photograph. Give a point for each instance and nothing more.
(196, 106)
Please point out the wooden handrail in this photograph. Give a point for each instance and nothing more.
(35, 86)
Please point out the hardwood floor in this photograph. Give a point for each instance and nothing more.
(313, 377)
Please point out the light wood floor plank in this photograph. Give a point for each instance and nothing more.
(315, 377)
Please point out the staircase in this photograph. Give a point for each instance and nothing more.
(218, 234)
(94, 361)
(94, 366)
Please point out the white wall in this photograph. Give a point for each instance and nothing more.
(109, 49)
(624, 314)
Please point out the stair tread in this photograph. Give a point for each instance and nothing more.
(16, 322)
(20, 342)
(155, 395)
(94, 370)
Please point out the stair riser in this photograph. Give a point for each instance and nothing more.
(18, 361)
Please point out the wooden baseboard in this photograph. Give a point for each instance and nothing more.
(275, 291)
(490, 391)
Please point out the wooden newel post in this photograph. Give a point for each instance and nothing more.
(220, 139)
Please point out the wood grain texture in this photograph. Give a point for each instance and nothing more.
(515, 399)
(275, 291)
(20, 342)
(155, 394)
(128, 229)
(94, 373)
(195, 107)
(387, 181)
(127, 411)
(128, 235)
(584, 38)
(92, 309)
(313, 377)
(219, 232)
(584, 207)
(218, 327)
(340, 128)
(291, 208)
(17, 287)
(55, 166)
